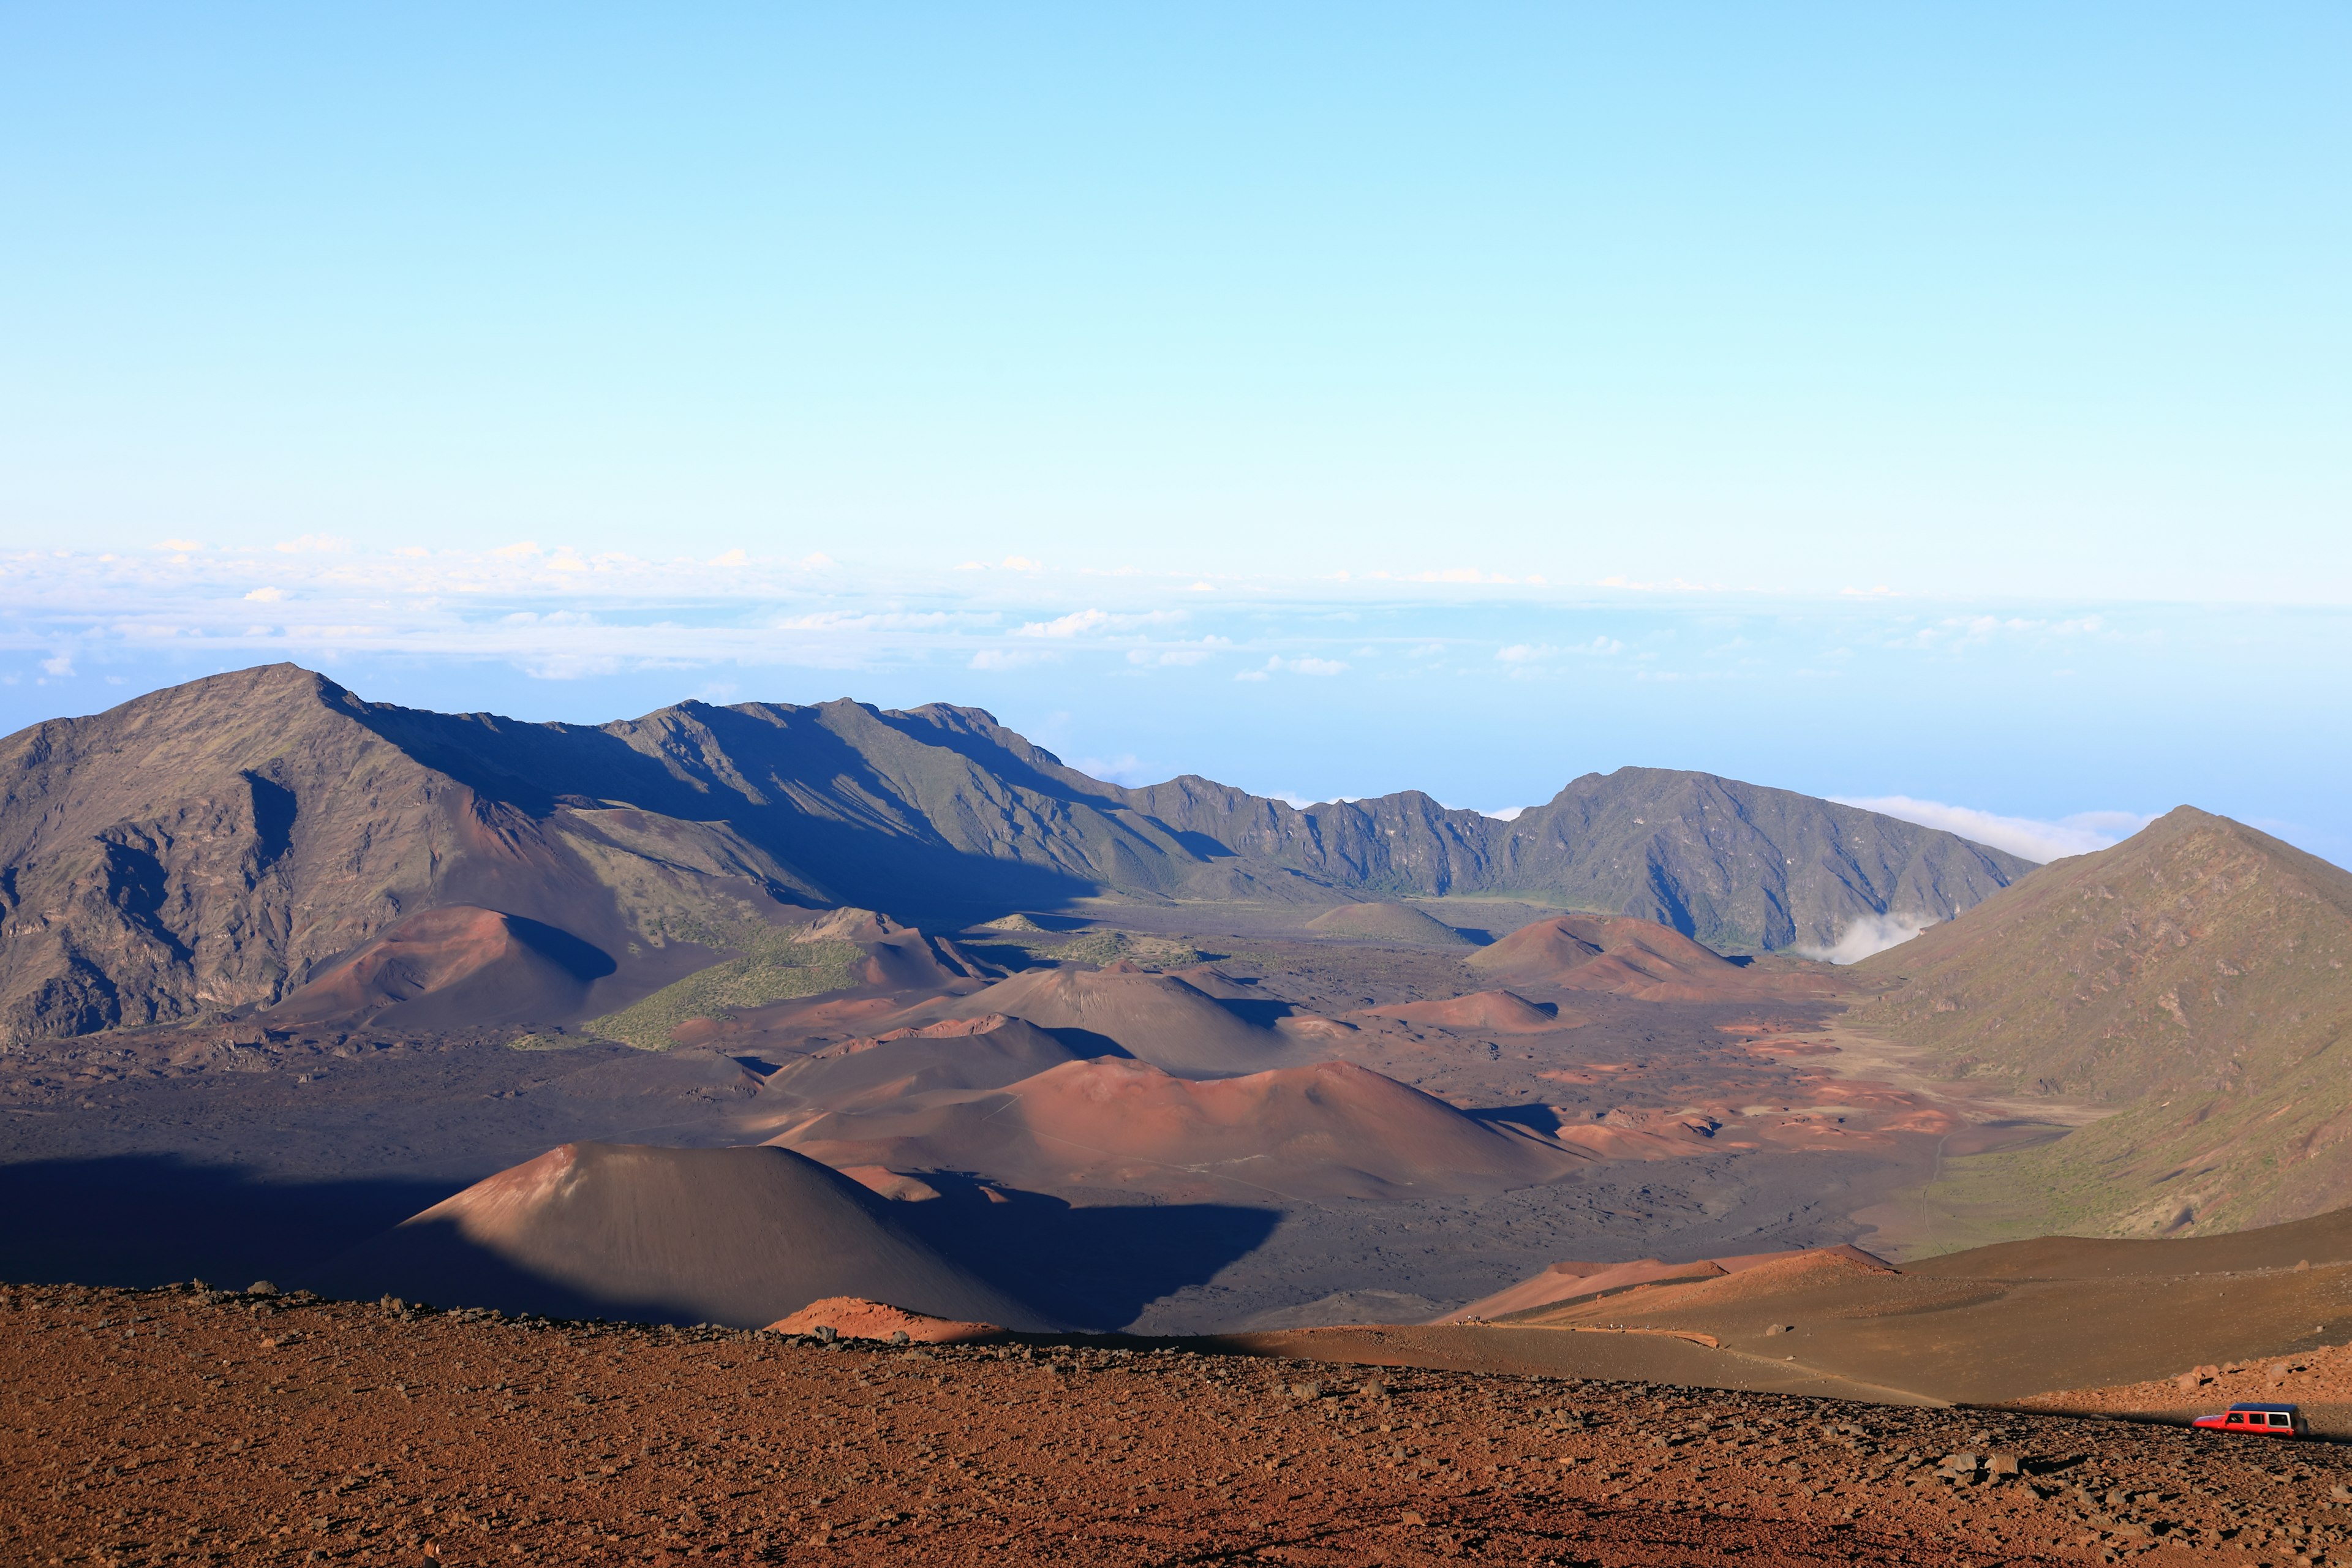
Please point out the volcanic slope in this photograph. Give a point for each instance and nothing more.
(1482, 1012)
(986, 1052)
(1635, 957)
(455, 965)
(1315, 1134)
(1164, 1019)
(1400, 923)
(1996, 1322)
(212, 846)
(741, 1236)
(2196, 976)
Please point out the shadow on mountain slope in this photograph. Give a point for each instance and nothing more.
(149, 1219)
(1095, 1266)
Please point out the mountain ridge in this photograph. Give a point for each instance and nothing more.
(209, 847)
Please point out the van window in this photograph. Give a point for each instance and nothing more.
(2237, 1418)
(2279, 1420)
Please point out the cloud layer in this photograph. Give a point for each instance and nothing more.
(1471, 687)
(2031, 838)
(1872, 933)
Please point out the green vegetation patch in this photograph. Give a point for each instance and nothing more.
(1111, 946)
(550, 1042)
(774, 968)
(1096, 947)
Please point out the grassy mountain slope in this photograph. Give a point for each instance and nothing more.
(2195, 975)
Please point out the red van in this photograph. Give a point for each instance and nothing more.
(2262, 1420)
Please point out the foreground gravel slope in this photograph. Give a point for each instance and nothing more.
(187, 1426)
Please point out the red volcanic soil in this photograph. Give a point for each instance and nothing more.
(1325, 1131)
(179, 1425)
(1490, 1012)
(1565, 1282)
(476, 966)
(1993, 1324)
(886, 1183)
(1164, 1020)
(1629, 957)
(984, 1052)
(2318, 1380)
(730, 1236)
(854, 1317)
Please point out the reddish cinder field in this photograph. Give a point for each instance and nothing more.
(183, 1425)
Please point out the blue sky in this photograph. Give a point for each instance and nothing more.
(1937, 403)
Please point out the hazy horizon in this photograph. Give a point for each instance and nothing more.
(1886, 405)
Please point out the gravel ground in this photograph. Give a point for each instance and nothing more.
(190, 1425)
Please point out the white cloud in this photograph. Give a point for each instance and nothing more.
(863, 621)
(1525, 653)
(573, 666)
(1508, 813)
(1001, 658)
(1068, 625)
(320, 543)
(267, 595)
(58, 664)
(182, 545)
(1872, 933)
(1308, 666)
(1186, 653)
(1122, 769)
(2029, 837)
(1674, 587)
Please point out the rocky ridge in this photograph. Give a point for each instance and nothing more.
(208, 849)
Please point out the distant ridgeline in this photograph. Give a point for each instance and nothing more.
(221, 844)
